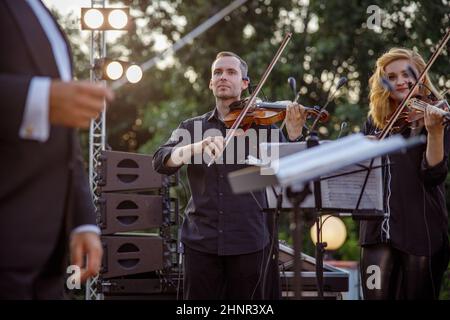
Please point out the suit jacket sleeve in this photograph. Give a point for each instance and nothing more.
(82, 205)
(13, 95)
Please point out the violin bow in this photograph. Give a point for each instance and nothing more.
(253, 96)
(403, 104)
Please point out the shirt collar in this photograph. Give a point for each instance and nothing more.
(214, 115)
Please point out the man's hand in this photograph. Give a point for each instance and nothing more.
(182, 155)
(86, 244)
(295, 119)
(211, 145)
(74, 104)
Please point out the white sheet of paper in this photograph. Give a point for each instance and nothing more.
(339, 192)
(343, 192)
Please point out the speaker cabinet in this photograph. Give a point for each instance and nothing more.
(124, 171)
(123, 212)
(133, 254)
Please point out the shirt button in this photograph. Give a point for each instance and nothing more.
(221, 212)
(220, 231)
(220, 194)
(221, 176)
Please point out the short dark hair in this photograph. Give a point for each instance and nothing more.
(243, 65)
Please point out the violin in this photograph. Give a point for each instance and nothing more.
(415, 110)
(267, 113)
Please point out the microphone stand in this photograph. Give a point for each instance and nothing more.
(296, 198)
(296, 226)
(298, 219)
(312, 140)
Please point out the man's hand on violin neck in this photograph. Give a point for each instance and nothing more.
(295, 119)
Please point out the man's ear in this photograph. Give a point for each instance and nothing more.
(210, 84)
(245, 83)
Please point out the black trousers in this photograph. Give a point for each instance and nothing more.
(402, 275)
(235, 277)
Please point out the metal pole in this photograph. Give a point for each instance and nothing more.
(97, 137)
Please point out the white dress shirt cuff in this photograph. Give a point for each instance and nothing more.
(87, 228)
(35, 122)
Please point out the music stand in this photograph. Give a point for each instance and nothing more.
(349, 179)
(326, 198)
(298, 169)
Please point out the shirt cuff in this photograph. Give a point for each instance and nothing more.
(436, 168)
(160, 159)
(35, 122)
(87, 228)
(434, 175)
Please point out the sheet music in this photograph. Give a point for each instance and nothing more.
(340, 192)
(300, 167)
(344, 191)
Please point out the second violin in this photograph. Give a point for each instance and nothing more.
(414, 111)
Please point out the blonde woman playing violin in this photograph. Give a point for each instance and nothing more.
(405, 254)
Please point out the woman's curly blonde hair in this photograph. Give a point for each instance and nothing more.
(381, 105)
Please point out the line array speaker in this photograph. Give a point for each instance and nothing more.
(123, 212)
(125, 171)
(132, 254)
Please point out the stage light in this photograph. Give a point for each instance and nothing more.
(93, 18)
(114, 70)
(118, 19)
(134, 73)
(109, 69)
(334, 232)
(105, 18)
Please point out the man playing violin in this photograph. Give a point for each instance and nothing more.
(410, 245)
(225, 236)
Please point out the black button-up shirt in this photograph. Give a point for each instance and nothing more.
(216, 220)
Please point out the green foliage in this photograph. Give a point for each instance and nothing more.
(329, 40)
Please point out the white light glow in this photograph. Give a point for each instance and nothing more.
(114, 70)
(334, 232)
(134, 74)
(118, 19)
(93, 18)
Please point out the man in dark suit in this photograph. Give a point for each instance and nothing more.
(44, 193)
